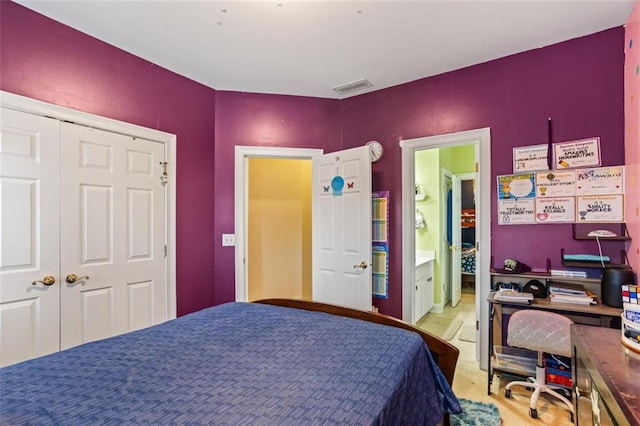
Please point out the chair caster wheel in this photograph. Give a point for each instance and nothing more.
(507, 393)
(533, 413)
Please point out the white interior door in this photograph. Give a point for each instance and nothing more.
(29, 313)
(341, 205)
(445, 248)
(456, 240)
(113, 228)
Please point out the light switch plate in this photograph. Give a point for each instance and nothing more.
(228, 240)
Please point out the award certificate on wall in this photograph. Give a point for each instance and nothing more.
(516, 186)
(600, 181)
(529, 158)
(600, 208)
(556, 210)
(556, 183)
(574, 154)
(516, 212)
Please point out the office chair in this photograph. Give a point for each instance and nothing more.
(539, 331)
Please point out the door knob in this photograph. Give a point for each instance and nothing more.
(72, 278)
(362, 265)
(48, 280)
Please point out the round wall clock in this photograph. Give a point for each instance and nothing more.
(375, 150)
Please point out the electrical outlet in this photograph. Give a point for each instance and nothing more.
(228, 240)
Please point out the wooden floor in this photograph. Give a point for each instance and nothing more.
(471, 383)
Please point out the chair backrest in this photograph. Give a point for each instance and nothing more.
(540, 331)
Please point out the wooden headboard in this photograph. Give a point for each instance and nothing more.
(444, 353)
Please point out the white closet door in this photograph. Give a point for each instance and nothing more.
(29, 160)
(113, 234)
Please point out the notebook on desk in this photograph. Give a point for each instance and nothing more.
(512, 296)
(566, 288)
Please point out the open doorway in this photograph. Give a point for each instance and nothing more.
(461, 238)
(340, 225)
(253, 209)
(279, 228)
(480, 140)
(468, 237)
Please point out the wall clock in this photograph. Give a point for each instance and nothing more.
(375, 150)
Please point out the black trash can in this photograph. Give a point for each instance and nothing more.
(612, 281)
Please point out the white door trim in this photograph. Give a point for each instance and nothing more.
(482, 140)
(36, 107)
(242, 154)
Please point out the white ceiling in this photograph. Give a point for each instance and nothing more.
(308, 47)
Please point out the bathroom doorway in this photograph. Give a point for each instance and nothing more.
(480, 140)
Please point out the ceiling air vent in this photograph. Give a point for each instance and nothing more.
(345, 89)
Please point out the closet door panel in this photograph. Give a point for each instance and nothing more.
(29, 211)
(113, 224)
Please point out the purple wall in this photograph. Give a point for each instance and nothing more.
(45, 60)
(578, 83)
(262, 120)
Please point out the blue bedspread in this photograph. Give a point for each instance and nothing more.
(235, 364)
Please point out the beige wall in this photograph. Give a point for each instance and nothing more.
(279, 228)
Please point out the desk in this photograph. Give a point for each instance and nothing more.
(596, 315)
(606, 378)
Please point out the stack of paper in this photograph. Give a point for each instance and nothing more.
(513, 296)
(571, 293)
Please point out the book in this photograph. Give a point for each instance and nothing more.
(556, 287)
(578, 300)
(575, 293)
(506, 295)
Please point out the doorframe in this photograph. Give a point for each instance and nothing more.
(481, 138)
(241, 194)
(41, 108)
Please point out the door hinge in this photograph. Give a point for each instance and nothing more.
(165, 250)
(164, 177)
(477, 325)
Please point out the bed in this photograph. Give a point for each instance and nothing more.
(468, 259)
(273, 362)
